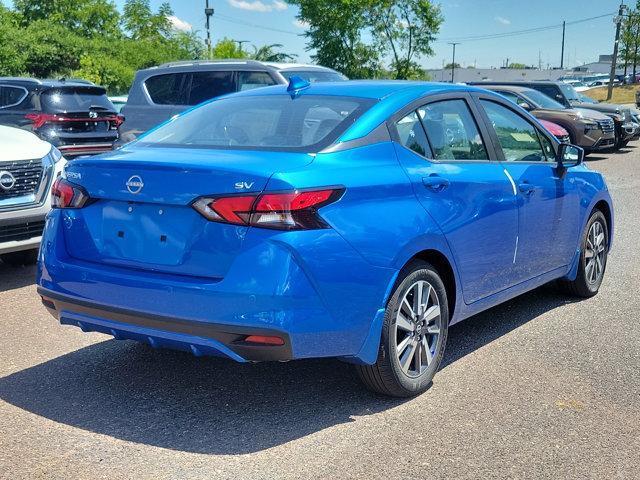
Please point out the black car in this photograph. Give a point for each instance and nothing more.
(566, 95)
(75, 116)
(158, 93)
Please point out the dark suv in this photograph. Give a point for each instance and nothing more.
(566, 95)
(75, 116)
(158, 93)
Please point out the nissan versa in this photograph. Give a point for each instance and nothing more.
(325, 220)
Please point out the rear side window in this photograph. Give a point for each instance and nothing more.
(518, 138)
(251, 80)
(11, 96)
(75, 99)
(168, 89)
(269, 122)
(452, 131)
(551, 91)
(208, 85)
(412, 134)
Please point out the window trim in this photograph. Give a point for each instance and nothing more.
(526, 117)
(19, 87)
(485, 135)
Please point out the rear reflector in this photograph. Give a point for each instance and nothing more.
(264, 340)
(296, 210)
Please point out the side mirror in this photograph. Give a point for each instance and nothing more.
(569, 155)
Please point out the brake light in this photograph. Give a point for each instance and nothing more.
(117, 121)
(39, 119)
(65, 194)
(282, 211)
(264, 340)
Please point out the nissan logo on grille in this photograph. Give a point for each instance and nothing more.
(7, 180)
(135, 184)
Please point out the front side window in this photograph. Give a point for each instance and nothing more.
(251, 80)
(518, 138)
(411, 134)
(452, 131)
(262, 122)
(208, 85)
(11, 96)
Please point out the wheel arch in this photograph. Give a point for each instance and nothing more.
(445, 269)
(604, 206)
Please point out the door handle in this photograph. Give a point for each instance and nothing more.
(435, 183)
(526, 188)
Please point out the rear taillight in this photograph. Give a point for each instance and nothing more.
(65, 194)
(117, 121)
(39, 119)
(283, 211)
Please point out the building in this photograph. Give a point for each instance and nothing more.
(464, 75)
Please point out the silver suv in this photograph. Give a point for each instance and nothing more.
(159, 93)
(28, 167)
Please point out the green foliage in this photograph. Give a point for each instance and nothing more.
(88, 39)
(227, 48)
(270, 53)
(518, 66)
(450, 65)
(355, 36)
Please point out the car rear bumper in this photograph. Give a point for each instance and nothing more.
(311, 289)
(199, 338)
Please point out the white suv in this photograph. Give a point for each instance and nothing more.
(28, 166)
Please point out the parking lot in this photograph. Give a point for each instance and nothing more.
(542, 387)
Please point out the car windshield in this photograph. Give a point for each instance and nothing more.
(76, 99)
(269, 122)
(585, 99)
(542, 100)
(314, 76)
(569, 92)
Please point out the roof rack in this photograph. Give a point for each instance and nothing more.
(235, 61)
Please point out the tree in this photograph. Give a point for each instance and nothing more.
(405, 29)
(335, 35)
(353, 36)
(269, 53)
(517, 66)
(450, 65)
(227, 48)
(140, 21)
(88, 18)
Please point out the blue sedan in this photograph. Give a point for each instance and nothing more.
(356, 220)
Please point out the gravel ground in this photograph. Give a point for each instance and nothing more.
(541, 387)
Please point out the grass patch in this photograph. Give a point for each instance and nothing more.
(621, 94)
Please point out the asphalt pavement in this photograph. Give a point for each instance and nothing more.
(544, 386)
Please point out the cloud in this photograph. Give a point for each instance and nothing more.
(179, 24)
(258, 5)
(300, 24)
(503, 21)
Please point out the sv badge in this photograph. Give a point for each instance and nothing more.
(243, 185)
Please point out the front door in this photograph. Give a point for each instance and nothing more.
(443, 150)
(547, 196)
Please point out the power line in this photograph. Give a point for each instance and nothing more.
(237, 21)
(514, 33)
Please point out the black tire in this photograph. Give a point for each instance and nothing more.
(585, 285)
(387, 376)
(18, 259)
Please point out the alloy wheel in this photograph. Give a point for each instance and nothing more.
(418, 326)
(595, 253)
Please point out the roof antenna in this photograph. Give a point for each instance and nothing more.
(296, 85)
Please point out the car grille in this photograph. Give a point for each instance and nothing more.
(22, 231)
(27, 174)
(607, 126)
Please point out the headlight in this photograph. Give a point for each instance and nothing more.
(55, 154)
(588, 125)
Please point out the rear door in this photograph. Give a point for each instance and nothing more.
(548, 198)
(455, 175)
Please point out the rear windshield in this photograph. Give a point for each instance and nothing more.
(80, 99)
(270, 122)
(314, 76)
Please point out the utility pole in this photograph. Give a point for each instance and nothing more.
(562, 52)
(208, 12)
(240, 42)
(453, 61)
(614, 59)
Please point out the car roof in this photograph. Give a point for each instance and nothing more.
(46, 83)
(511, 88)
(236, 63)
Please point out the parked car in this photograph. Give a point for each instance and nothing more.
(638, 98)
(556, 130)
(566, 95)
(245, 228)
(601, 83)
(158, 93)
(74, 116)
(28, 166)
(589, 129)
(577, 85)
(118, 102)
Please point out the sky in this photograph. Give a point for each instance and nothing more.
(273, 21)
